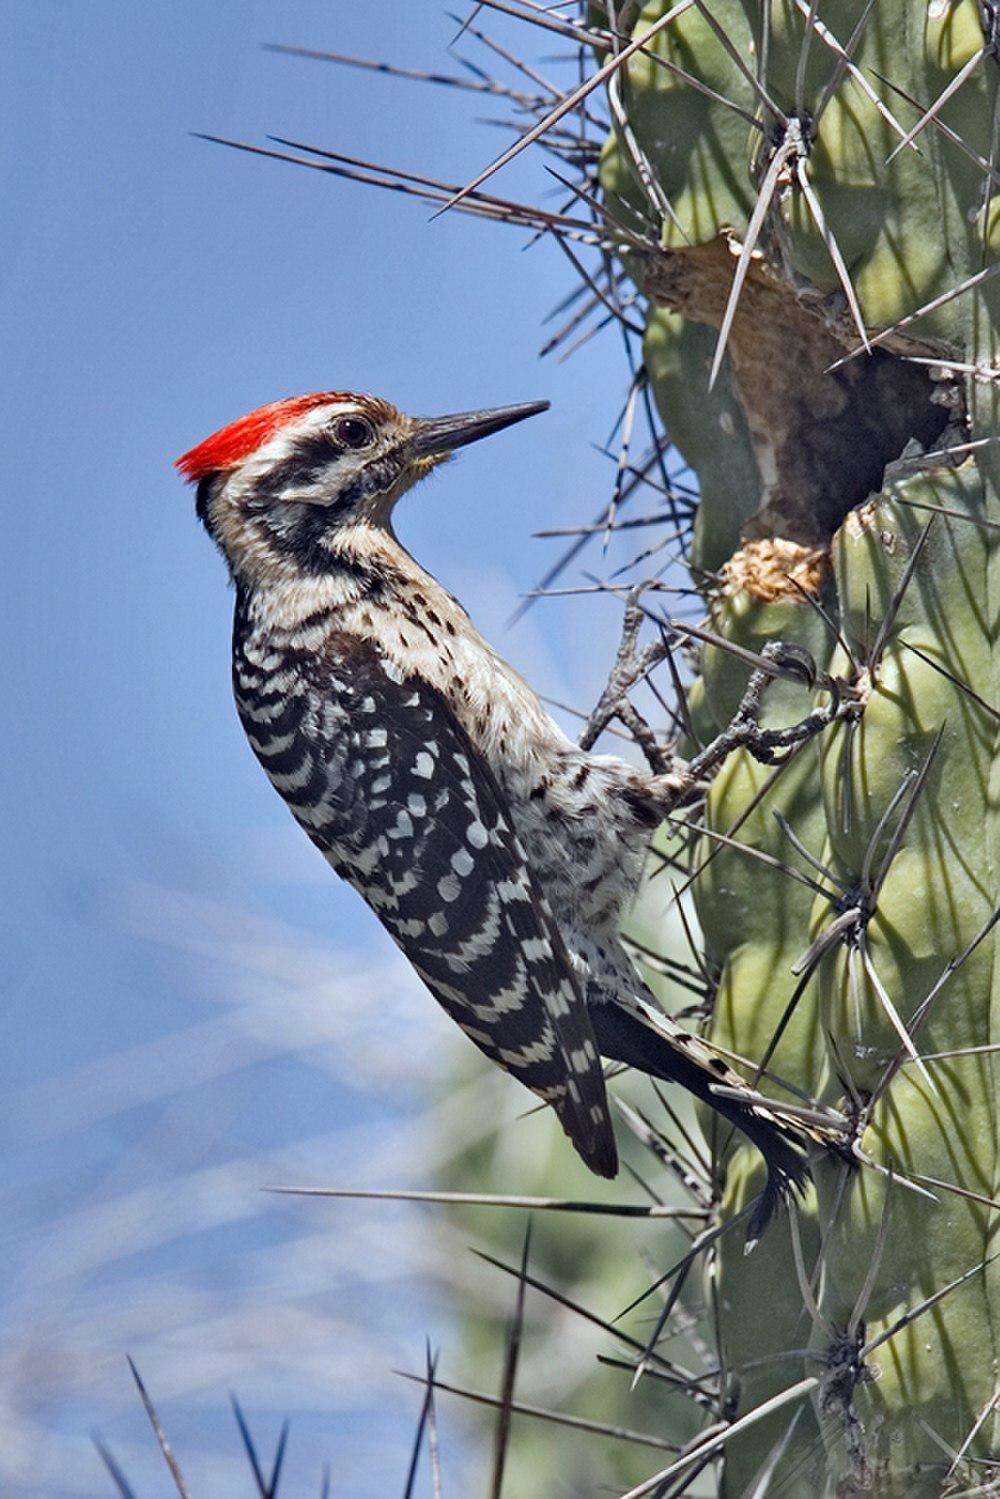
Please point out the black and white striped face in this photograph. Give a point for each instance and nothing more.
(344, 462)
(278, 487)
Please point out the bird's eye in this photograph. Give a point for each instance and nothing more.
(353, 432)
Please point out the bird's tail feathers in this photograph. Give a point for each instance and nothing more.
(581, 1106)
(635, 1032)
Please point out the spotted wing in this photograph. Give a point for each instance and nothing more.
(410, 813)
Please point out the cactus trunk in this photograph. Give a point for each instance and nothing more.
(894, 811)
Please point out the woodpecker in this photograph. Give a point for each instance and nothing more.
(498, 855)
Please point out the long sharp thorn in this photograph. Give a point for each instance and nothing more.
(573, 1306)
(447, 80)
(895, 1018)
(115, 1472)
(786, 1016)
(764, 55)
(803, 852)
(969, 284)
(986, 372)
(991, 179)
(889, 618)
(586, 337)
(874, 842)
(763, 858)
(820, 946)
(621, 1363)
(939, 103)
(860, 1307)
(954, 964)
(680, 695)
(975, 520)
(628, 426)
(442, 188)
(761, 1485)
(845, 63)
(558, 1418)
(704, 1241)
(642, 1183)
(601, 296)
(567, 104)
(564, 561)
(961, 447)
(279, 1458)
(833, 250)
(433, 1444)
(418, 1439)
(827, 619)
(649, 181)
(696, 1163)
(633, 523)
(494, 210)
(988, 1048)
(464, 25)
(600, 210)
(962, 686)
(819, 1115)
(249, 1448)
(693, 948)
(669, 1302)
(730, 47)
(925, 1306)
(484, 1199)
(700, 87)
(803, 58)
(987, 167)
(660, 445)
(715, 1442)
(168, 1453)
(501, 1441)
(955, 1190)
(587, 37)
(515, 62)
(570, 325)
(917, 785)
(708, 637)
(974, 1430)
(768, 188)
(805, 1284)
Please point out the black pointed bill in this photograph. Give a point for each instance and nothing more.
(435, 435)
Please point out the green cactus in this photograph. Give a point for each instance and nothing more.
(814, 248)
(797, 471)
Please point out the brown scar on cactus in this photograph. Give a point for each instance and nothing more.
(823, 436)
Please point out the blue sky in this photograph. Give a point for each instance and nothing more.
(154, 287)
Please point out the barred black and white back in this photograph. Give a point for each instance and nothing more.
(389, 788)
